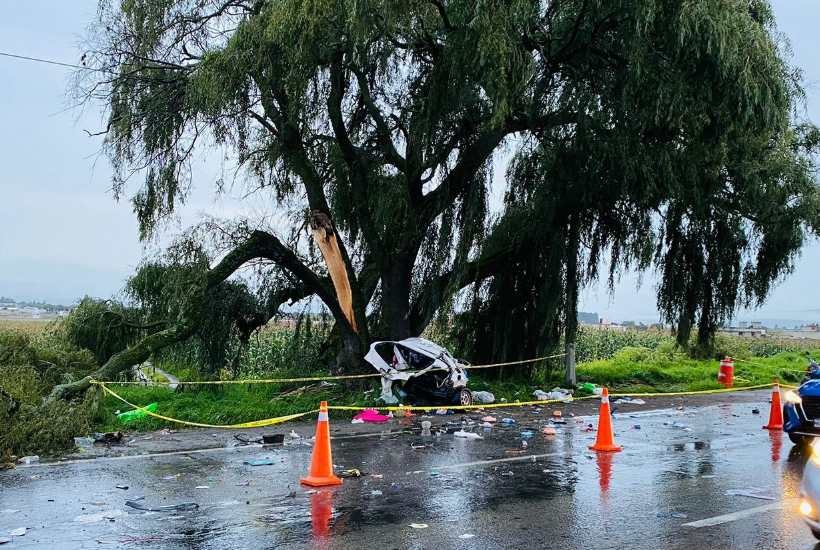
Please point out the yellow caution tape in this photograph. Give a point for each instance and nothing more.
(701, 392)
(514, 362)
(254, 424)
(325, 378)
(252, 381)
(462, 407)
(280, 419)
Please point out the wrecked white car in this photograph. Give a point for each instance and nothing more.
(421, 371)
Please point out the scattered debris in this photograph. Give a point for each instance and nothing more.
(377, 476)
(294, 435)
(510, 473)
(755, 411)
(137, 413)
(483, 397)
(5, 540)
(434, 474)
(83, 442)
(351, 473)
(630, 401)
(183, 507)
(375, 492)
(751, 492)
(123, 487)
(19, 532)
(557, 394)
(202, 487)
(262, 462)
(419, 525)
(96, 518)
(29, 459)
(508, 421)
(466, 536)
(273, 439)
(155, 538)
(676, 515)
(636, 426)
(244, 483)
(467, 435)
(108, 437)
(357, 421)
(371, 415)
(549, 430)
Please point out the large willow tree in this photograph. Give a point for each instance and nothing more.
(644, 134)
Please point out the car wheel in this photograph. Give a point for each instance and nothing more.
(800, 440)
(465, 397)
(815, 532)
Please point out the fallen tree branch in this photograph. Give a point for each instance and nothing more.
(138, 353)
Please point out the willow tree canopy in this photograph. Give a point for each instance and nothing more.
(645, 134)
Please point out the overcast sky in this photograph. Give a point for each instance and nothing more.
(63, 236)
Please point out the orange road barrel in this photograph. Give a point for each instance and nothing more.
(726, 374)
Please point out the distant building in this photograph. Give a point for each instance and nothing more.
(756, 330)
(603, 324)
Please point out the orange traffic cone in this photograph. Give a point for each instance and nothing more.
(776, 414)
(605, 440)
(321, 468)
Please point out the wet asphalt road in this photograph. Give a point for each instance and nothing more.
(482, 496)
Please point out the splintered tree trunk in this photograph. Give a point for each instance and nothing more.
(326, 238)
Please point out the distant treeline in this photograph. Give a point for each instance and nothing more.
(39, 305)
(586, 318)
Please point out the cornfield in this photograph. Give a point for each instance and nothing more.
(31, 327)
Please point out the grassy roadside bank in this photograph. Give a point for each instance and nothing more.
(32, 363)
(635, 370)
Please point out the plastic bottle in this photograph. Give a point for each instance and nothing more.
(29, 459)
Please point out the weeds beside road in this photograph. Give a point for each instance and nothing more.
(32, 362)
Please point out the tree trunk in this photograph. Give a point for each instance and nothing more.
(134, 355)
(396, 285)
(571, 307)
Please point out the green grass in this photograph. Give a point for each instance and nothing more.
(635, 370)
(220, 405)
(641, 370)
(154, 376)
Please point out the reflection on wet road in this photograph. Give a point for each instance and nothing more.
(667, 489)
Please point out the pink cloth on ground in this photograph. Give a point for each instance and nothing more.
(371, 415)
